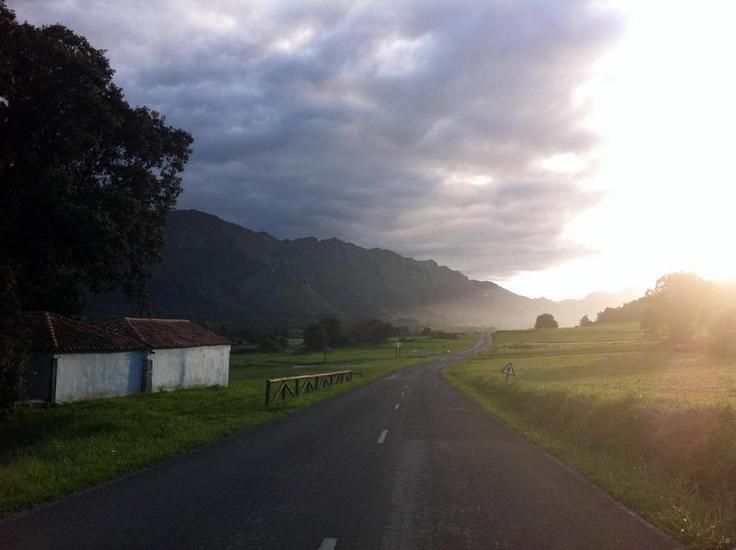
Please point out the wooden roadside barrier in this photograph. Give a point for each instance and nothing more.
(296, 385)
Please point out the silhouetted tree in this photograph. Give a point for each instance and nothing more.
(327, 332)
(679, 306)
(87, 179)
(545, 320)
(629, 312)
(13, 356)
(585, 321)
(427, 331)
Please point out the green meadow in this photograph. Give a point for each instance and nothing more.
(49, 453)
(652, 424)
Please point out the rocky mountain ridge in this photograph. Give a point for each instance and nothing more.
(219, 271)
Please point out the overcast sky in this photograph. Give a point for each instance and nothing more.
(463, 131)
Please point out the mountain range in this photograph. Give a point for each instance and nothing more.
(219, 271)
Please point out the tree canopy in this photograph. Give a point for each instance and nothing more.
(629, 312)
(545, 320)
(87, 179)
(679, 306)
(326, 333)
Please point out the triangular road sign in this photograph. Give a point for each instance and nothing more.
(508, 370)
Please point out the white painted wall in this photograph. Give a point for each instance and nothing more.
(91, 375)
(186, 367)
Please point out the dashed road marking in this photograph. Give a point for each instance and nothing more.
(396, 407)
(382, 437)
(328, 544)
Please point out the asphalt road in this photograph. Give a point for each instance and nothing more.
(406, 462)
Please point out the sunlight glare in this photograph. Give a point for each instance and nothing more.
(663, 103)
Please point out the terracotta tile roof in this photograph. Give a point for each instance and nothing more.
(50, 332)
(165, 333)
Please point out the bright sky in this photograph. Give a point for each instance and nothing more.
(664, 104)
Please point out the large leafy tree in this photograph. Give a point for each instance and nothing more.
(86, 179)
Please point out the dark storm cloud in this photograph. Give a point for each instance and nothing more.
(416, 126)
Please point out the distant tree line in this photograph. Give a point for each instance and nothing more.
(680, 308)
(627, 313)
(330, 332)
(261, 339)
(444, 335)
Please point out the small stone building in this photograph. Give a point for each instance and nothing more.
(73, 361)
(182, 354)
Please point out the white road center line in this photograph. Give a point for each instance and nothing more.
(402, 394)
(382, 437)
(328, 544)
(396, 407)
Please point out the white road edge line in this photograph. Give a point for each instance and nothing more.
(382, 437)
(328, 544)
(396, 407)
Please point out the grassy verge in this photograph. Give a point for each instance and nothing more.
(654, 427)
(48, 453)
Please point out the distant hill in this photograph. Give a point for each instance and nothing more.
(216, 270)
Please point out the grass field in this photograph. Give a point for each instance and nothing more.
(47, 453)
(654, 426)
